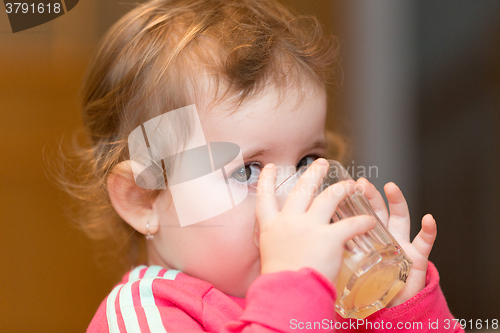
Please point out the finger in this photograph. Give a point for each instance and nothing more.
(266, 203)
(375, 199)
(324, 205)
(347, 229)
(300, 198)
(399, 221)
(424, 241)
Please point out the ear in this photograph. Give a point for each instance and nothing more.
(130, 201)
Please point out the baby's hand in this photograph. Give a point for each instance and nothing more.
(399, 225)
(300, 235)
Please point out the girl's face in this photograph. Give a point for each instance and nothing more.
(221, 250)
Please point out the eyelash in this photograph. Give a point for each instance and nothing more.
(240, 184)
(258, 163)
(316, 156)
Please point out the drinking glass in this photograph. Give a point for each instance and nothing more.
(375, 267)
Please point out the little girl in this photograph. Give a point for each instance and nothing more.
(257, 77)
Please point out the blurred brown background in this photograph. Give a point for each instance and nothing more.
(420, 100)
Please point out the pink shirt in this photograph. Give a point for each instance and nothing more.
(153, 299)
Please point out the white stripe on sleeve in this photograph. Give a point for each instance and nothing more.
(153, 271)
(148, 304)
(111, 312)
(127, 309)
(134, 274)
(171, 274)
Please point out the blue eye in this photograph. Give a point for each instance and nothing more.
(305, 161)
(248, 173)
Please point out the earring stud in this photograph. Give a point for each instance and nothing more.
(148, 236)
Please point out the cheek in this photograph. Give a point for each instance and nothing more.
(226, 238)
(236, 225)
(232, 241)
(224, 244)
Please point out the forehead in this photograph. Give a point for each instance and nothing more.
(294, 119)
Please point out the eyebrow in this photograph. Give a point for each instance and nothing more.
(259, 152)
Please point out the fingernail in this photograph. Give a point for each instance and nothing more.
(322, 161)
(269, 166)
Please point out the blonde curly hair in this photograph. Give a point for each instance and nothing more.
(159, 57)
